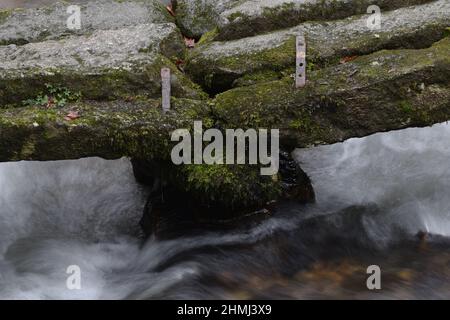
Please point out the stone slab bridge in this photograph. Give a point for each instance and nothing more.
(96, 91)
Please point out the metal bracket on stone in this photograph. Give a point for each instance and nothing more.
(300, 70)
(166, 88)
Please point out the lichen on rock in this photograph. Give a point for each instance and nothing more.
(197, 17)
(219, 66)
(354, 99)
(19, 26)
(252, 17)
(108, 64)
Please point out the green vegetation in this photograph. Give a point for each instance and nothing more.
(53, 96)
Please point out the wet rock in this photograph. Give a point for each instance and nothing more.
(110, 130)
(219, 66)
(295, 182)
(220, 199)
(197, 17)
(105, 65)
(252, 17)
(19, 26)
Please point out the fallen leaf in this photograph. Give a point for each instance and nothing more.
(180, 64)
(190, 43)
(72, 115)
(347, 59)
(170, 9)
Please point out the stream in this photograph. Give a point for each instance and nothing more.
(373, 196)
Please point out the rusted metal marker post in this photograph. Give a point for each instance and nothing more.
(165, 84)
(300, 73)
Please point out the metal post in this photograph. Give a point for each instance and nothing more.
(166, 87)
(300, 73)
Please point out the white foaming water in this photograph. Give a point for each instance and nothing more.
(406, 173)
(86, 213)
(54, 214)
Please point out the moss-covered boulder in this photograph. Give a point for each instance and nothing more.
(197, 17)
(108, 64)
(19, 26)
(383, 91)
(218, 66)
(252, 17)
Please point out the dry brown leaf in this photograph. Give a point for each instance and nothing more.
(347, 59)
(180, 64)
(72, 115)
(170, 9)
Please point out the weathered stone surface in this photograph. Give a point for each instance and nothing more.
(221, 65)
(253, 17)
(105, 65)
(196, 17)
(19, 26)
(107, 129)
(383, 91)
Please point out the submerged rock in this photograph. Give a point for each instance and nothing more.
(252, 17)
(219, 66)
(19, 26)
(105, 65)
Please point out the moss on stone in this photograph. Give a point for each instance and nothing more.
(101, 84)
(360, 97)
(290, 13)
(382, 91)
(135, 129)
(4, 14)
(219, 66)
(208, 36)
(231, 186)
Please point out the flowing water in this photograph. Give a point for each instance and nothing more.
(373, 196)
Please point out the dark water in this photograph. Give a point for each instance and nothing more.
(374, 196)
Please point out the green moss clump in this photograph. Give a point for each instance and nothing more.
(4, 14)
(54, 96)
(230, 186)
(406, 107)
(208, 37)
